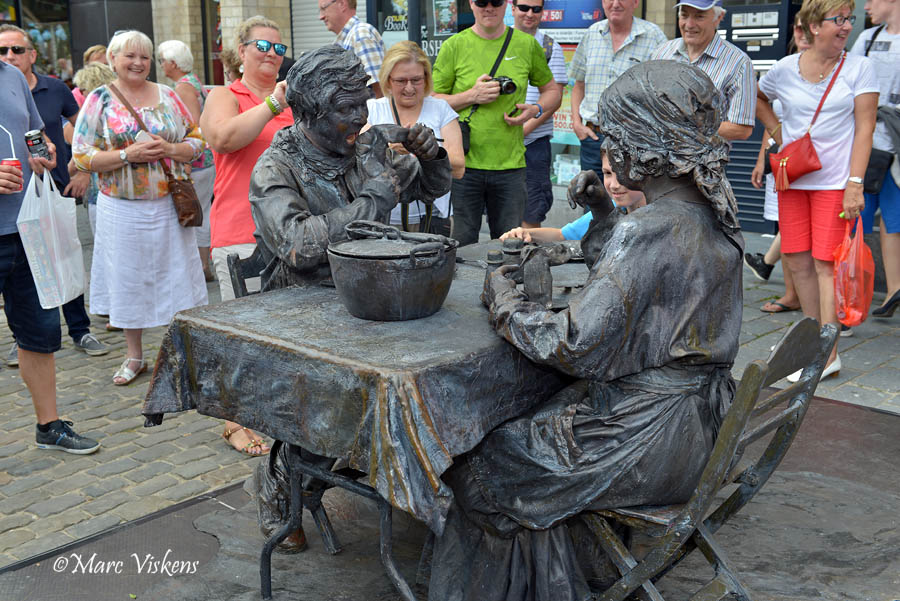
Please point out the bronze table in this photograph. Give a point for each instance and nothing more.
(398, 399)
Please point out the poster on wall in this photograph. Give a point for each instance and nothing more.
(395, 22)
(444, 17)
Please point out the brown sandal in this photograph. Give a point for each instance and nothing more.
(254, 442)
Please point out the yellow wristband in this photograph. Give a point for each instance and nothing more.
(772, 133)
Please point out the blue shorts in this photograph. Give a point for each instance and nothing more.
(36, 329)
(888, 200)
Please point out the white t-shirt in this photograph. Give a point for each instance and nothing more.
(885, 57)
(832, 135)
(436, 113)
(557, 66)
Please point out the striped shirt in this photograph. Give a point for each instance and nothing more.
(730, 70)
(364, 41)
(597, 65)
(557, 64)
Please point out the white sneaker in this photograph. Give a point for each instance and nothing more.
(832, 369)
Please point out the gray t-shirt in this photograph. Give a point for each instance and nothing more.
(18, 114)
(885, 57)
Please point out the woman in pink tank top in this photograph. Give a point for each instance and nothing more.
(239, 123)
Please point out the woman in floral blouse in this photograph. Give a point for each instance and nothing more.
(145, 265)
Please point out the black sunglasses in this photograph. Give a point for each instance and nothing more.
(483, 3)
(15, 49)
(265, 45)
(525, 8)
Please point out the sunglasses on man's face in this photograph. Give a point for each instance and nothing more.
(265, 45)
(494, 3)
(525, 8)
(15, 49)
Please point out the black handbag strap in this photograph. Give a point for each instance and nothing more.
(872, 41)
(140, 122)
(509, 34)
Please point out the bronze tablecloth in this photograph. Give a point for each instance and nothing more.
(399, 399)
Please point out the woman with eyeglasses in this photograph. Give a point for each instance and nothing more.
(177, 63)
(812, 212)
(239, 122)
(145, 265)
(406, 75)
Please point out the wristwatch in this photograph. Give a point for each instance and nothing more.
(123, 156)
(855, 180)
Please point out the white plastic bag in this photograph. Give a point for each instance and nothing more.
(49, 232)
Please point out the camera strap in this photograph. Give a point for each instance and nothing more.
(509, 34)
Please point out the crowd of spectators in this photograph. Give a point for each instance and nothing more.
(489, 98)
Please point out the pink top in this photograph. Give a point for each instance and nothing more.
(229, 218)
(79, 97)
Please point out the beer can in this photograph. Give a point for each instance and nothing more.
(15, 163)
(36, 145)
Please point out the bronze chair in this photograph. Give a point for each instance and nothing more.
(676, 530)
(241, 270)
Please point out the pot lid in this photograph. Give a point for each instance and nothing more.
(381, 248)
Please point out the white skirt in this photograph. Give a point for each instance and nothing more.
(145, 265)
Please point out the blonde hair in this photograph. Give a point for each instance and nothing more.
(813, 13)
(92, 76)
(231, 62)
(242, 35)
(128, 39)
(404, 52)
(92, 51)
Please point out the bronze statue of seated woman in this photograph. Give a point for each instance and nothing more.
(652, 337)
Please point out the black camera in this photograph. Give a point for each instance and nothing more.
(507, 85)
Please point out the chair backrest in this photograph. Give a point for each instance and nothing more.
(804, 347)
(241, 270)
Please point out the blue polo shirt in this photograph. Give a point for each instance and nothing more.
(18, 114)
(55, 102)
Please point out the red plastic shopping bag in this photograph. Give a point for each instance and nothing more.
(854, 277)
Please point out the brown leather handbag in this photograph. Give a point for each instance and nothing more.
(187, 205)
(799, 157)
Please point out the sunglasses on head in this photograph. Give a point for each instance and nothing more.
(494, 3)
(265, 45)
(525, 8)
(15, 49)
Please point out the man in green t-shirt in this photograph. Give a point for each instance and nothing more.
(495, 164)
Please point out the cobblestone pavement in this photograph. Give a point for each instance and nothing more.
(49, 498)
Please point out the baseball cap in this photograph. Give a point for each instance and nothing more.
(700, 4)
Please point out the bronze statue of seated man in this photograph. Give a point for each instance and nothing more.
(317, 176)
(652, 337)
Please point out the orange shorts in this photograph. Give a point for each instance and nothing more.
(808, 221)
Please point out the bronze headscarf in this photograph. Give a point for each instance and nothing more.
(664, 116)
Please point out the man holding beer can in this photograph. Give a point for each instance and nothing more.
(54, 102)
(36, 329)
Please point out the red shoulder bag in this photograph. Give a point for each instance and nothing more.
(799, 157)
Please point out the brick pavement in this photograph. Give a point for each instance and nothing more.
(49, 498)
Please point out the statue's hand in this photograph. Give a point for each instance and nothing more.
(497, 281)
(421, 142)
(372, 152)
(586, 190)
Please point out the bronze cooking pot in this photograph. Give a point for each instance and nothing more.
(384, 274)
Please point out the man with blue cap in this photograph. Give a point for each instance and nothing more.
(726, 64)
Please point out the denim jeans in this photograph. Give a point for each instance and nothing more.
(501, 192)
(76, 318)
(592, 155)
(537, 178)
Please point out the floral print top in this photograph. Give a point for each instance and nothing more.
(105, 124)
(207, 159)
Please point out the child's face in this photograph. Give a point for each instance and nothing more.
(622, 196)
